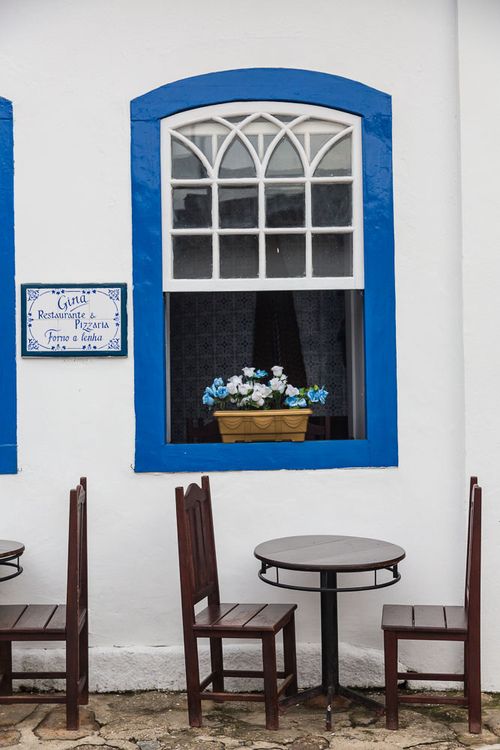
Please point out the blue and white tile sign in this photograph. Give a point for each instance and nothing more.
(74, 320)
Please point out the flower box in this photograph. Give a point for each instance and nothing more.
(255, 426)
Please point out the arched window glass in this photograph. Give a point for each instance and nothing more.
(284, 161)
(185, 164)
(236, 161)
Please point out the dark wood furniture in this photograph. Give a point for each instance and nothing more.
(10, 552)
(441, 623)
(199, 580)
(328, 556)
(54, 622)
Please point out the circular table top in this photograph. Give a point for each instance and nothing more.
(342, 554)
(10, 549)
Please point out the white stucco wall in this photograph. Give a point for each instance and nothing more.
(71, 69)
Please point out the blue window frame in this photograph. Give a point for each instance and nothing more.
(8, 447)
(379, 448)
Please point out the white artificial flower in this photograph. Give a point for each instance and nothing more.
(249, 372)
(232, 387)
(291, 390)
(277, 385)
(257, 398)
(237, 379)
(277, 371)
(244, 388)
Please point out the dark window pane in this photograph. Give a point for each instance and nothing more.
(193, 257)
(185, 164)
(238, 207)
(285, 255)
(237, 161)
(285, 161)
(332, 254)
(331, 205)
(239, 256)
(337, 160)
(192, 207)
(285, 205)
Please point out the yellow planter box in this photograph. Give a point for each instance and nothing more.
(254, 426)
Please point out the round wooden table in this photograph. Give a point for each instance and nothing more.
(10, 552)
(329, 555)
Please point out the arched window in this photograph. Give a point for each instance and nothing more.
(263, 231)
(8, 447)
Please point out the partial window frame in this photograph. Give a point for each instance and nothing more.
(8, 426)
(352, 129)
(152, 453)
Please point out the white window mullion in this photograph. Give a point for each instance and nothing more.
(262, 227)
(215, 233)
(309, 268)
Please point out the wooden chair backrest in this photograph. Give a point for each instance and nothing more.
(197, 556)
(473, 566)
(77, 588)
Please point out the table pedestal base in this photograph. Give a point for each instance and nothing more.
(330, 685)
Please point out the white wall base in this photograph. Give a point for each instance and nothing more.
(162, 667)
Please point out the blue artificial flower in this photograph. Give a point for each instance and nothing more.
(322, 395)
(260, 374)
(207, 399)
(313, 395)
(301, 402)
(221, 391)
(292, 401)
(217, 382)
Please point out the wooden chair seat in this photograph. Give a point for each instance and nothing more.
(33, 618)
(254, 618)
(426, 618)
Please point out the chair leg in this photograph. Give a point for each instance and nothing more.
(474, 688)
(84, 663)
(270, 680)
(6, 667)
(391, 679)
(193, 681)
(72, 678)
(290, 656)
(217, 662)
(466, 680)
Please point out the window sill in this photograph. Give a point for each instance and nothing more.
(325, 454)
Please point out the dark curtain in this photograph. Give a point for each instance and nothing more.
(277, 336)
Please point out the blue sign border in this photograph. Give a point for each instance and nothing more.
(122, 352)
(380, 448)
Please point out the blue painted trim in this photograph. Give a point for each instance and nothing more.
(264, 84)
(8, 427)
(123, 352)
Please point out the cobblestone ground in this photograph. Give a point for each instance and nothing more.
(158, 721)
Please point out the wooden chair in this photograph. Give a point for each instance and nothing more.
(54, 622)
(199, 580)
(436, 623)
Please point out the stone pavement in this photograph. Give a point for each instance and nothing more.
(158, 721)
